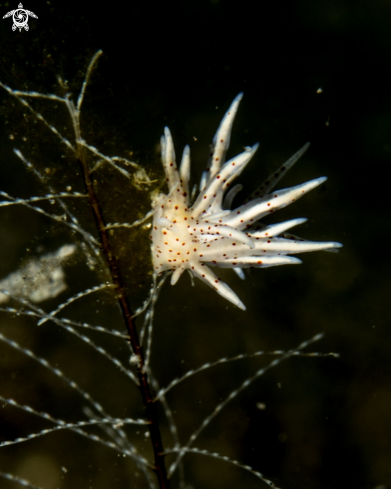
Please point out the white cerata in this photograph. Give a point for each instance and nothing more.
(206, 232)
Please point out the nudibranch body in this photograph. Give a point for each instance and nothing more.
(196, 235)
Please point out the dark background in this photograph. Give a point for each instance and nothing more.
(326, 423)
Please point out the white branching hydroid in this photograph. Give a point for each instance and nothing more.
(206, 232)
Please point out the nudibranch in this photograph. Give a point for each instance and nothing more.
(194, 235)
